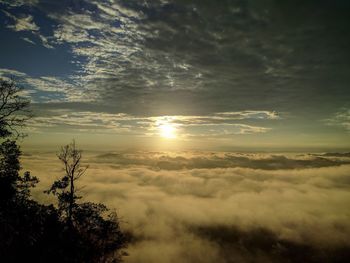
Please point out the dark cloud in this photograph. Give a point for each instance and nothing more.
(207, 161)
(347, 154)
(246, 54)
(187, 57)
(262, 245)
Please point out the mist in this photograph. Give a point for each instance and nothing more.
(217, 206)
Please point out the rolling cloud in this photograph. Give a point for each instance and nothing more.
(245, 211)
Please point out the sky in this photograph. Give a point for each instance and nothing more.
(176, 74)
(218, 130)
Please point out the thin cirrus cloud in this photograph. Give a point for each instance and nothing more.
(340, 119)
(220, 124)
(23, 23)
(16, 3)
(216, 124)
(27, 23)
(46, 88)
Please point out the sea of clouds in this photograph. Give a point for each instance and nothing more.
(218, 207)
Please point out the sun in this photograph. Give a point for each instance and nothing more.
(167, 130)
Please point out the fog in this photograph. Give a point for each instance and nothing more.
(218, 207)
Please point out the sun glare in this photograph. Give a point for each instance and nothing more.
(167, 131)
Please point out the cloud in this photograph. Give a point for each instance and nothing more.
(219, 124)
(10, 72)
(189, 161)
(172, 58)
(28, 40)
(218, 214)
(341, 119)
(212, 62)
(16, 3)
(51, 89)
(121, 46)
(27, 23)
(346, 154)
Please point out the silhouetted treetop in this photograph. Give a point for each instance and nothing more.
(90, 228)
(14, 109)
(65, 188)
(12, 184)
(33, 232)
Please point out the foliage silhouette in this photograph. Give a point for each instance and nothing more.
(32, 232)
(93, 229)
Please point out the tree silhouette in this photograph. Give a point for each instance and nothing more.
(32, 232)
(65, 188)
(13, 186)
(14, 112)
(91, 228)
(22, 220)
(14, 109)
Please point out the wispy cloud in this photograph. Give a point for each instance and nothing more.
(220, 124)
(11, 73)
(27, 23)
(340, 119)
(28, 40)
(47, 89)
(16, 3)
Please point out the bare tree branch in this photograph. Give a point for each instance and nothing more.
(14, 109)
(65, 188)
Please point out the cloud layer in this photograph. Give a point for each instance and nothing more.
(224, 213)
(221, 124)
(173, 52)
